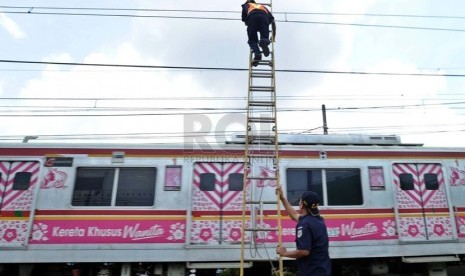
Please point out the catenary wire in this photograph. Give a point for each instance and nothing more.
(63, 111)
(225, 68)
(226, 11)
(239, 98)
(236, 19)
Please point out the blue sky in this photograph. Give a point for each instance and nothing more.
(420, 114)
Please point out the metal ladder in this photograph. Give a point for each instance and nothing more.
(261, 151)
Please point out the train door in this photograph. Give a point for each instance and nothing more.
(423, 212)
(18, 182)
(217, 203)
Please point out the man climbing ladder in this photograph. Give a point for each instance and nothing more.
(257, 18)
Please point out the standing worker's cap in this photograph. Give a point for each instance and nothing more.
(311, 200)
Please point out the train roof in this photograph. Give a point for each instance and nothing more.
(291, 139)
(334, 139)
(236, 142)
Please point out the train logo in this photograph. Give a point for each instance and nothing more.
(54, 178)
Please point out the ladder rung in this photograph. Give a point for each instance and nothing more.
(262, 120)
(261, 75)
(261, 229)
(261, 178)
(262, 141)
(262, 137)
(262, 88)
(261, 103)
(261, 202)
(265, 62)
(262, 71)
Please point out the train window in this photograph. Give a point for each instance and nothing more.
(136, 187)
(22, 181)
(236, 181)
(93, 187)
(302, 180)
(406, 181)
(98, 187)
(431, 181)
(344, 187)
(207, 182)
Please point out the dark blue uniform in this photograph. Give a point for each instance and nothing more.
(257, 21)
(311, 235)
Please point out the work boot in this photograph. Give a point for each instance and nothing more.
(256, 59)
(265, 49)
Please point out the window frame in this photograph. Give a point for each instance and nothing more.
(241, 179)
(402, 182)
(114, 189)
(428, 186)
(324, 188)
(207, 177)
(19, 184)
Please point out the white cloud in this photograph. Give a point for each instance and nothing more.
(107, 82)
(11, 26)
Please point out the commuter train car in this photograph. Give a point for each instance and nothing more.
(390, 208)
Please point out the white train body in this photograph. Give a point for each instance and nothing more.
(126, 203)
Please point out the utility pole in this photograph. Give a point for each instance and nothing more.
(325, 124)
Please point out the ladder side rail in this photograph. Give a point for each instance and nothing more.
(261, 144)
(246, 171)
(277, 169)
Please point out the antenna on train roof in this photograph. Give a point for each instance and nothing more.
(27, 138)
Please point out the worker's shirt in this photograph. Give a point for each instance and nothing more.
(249, 9)
(312, 235)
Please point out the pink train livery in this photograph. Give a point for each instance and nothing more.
(390, 208)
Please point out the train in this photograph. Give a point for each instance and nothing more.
(390, 208)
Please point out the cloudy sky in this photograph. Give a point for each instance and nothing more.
(412, 51)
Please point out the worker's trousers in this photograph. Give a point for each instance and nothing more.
(258, 22)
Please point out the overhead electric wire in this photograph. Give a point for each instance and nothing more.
(221, 98)
(31, 11)
(377, 97)
(116, 9)
(383, 128)
(226, 11)
(394, 106)
(126, 108)
(144, 111)
(374, 25)
(190, 111)
(225, 68)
